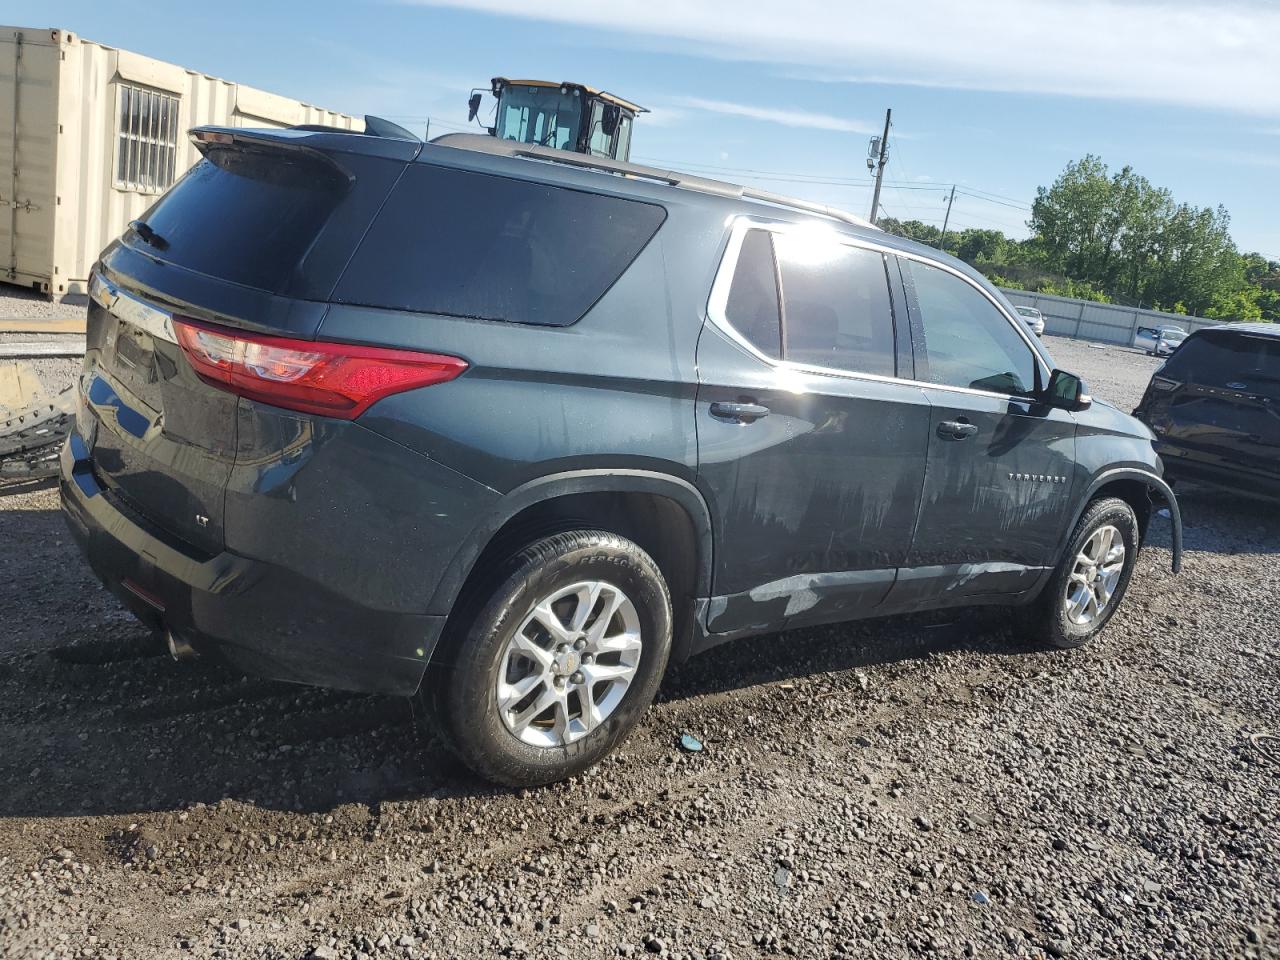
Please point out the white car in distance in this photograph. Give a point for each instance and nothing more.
(1033, 318)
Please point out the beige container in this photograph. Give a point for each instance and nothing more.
(90, 135)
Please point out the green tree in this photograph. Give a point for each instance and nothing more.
(1120, 235)
(911, 229)
(978, 246)
(1103, 236)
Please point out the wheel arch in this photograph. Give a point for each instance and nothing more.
(1138, 488)
(663, 514)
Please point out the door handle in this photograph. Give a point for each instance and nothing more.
(956, 429)
(740, 412)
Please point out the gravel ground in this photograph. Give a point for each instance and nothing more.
(54, 373)
(18, 303)
(891, 789)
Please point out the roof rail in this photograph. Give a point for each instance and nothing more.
(511, 148)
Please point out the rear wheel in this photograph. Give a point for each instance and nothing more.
(1091, 578)
(561, 658)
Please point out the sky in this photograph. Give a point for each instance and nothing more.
(994, 96)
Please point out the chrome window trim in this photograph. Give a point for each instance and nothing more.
(718, 300)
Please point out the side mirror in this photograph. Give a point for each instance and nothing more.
(609, 122)
(1067, 392)
(473, 106)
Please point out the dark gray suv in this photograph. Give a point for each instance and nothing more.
(509, 429)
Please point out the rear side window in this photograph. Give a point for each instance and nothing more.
(835, 305)
(472, 245)
(244, 217)
(1217, 359)
(752, 307)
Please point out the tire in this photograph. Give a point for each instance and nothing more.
(1053, 619)
(462, 689)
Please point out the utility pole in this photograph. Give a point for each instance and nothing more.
(947, 219)
(878, 164)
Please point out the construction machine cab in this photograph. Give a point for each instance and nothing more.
(566, 116)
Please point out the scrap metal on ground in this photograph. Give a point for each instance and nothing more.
(34, 420)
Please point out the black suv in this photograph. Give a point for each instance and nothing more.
(509, 429)
(1214, 407)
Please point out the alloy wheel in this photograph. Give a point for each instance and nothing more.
(567, 667)
(1096, 575)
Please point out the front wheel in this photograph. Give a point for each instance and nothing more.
(1091, 578)
(559, 663)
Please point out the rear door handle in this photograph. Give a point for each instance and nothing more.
(956, 429)
(740, 412)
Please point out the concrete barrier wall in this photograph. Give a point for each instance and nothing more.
(1101, 322)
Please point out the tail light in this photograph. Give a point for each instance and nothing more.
(330, 379)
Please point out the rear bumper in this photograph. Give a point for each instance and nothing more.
(260, 617)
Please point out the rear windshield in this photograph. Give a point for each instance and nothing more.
(472, 245)
(244, 217)
(1219, 359)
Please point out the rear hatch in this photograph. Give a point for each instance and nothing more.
(252, 238)
(1218, 400)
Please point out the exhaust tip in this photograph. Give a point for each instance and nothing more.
(179, 648)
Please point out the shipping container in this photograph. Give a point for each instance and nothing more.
(90, 135)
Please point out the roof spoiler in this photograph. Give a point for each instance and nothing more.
(378, 127)
(317, 140)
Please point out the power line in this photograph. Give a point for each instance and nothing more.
(433, 120)
(1002, 203)
(837, 180)
(988, 193)
(895, 162)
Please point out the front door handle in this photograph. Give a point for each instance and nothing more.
(740, 412)
(956, 429)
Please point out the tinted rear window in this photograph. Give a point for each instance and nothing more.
(835, 305)
(1217, 359)
(244, 217)
(472, 245)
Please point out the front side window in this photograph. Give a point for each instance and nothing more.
(835, 304)
(146, 139)
(968, 342)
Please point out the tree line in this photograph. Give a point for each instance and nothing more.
(1114, 237)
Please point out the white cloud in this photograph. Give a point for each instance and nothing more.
(1194, 53)
(785, 116)
(662, 115)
